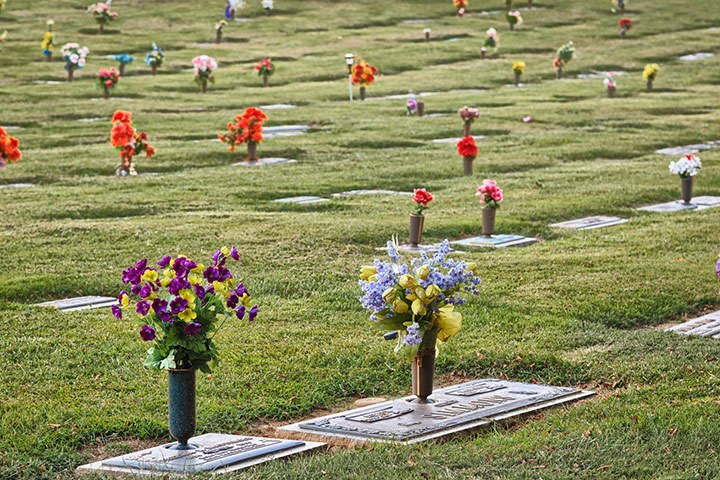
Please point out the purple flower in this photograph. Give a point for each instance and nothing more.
(211, 274)
(131, 275)
(141, 265)
(147, 333)
(177, 284)
(164, 261)
(210, 290)
(240, 312)
(253, 313)
(232, 301)
(117, 311)
(200, 291)
(192, 328)
(160, 308)
(240, 290)
(143, 307)
(717, 269)
(234, 254)
(145, 291)
(120, 296)
(177, 305)
(217, 256)
(223, 273)
(135, 288)
(413, 335)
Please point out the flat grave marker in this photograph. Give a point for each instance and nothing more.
(590, 223)
(264, 161)
(705, 326)
(80, 303)
(91, 119)
(416, 20)
(704, 202)
(496, 241)
(350, 193)
(676, 206)
(215, 453)
(601, 74)
(451, 410)
(696, 56)
(277, 106)
(284, 131)
(17, 185)
(407, 248)
(457, 139)
(13, 128)
(688, 149)
(303, 200)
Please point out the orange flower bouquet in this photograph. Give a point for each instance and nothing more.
(460, 6)
(363, 74)
(246, 129)
(9, 149)
(128, 142)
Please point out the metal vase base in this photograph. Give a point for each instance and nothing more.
(362, 93)
(686, 185)
(181, 406)
(423, 368)
(417, 222)
(488, 221)
(468, 165)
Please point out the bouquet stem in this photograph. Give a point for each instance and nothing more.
(488, 222)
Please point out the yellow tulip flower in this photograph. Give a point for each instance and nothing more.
(432, 291)
(390, 295)
(399, 306)
(423, 272)
(367, 271)
(418, 307)
(407, 281)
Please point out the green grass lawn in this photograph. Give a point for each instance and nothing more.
(579, 309)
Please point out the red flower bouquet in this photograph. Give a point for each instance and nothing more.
(128, 142)
(421, 199)
(467, 148)
(107, 79)
(363, 73)
(9, 149)
(625, 25)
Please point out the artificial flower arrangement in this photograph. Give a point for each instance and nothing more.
(155, 58)
(492, 41)
(267, 6)
(619, 5)
(128, 142)
(460, 6)
(9, 149)
(48, 41)
(467, 149)
(625, 25)
(363, 74)
(427, 32)
(182, 307)
(513, 19)
(107, 79)
(219, 29)
(417, 303)
(518, 69)
(610, 85)
(265, 69)
(411, 104)
(232, 8)
(74, 57)
(687, 167)
(563, 56)
(246, 129)
(421, 199)
(650, 74)
(204, 68)
(102, 14)
(468, 116)
(123, 59)
(490, 198)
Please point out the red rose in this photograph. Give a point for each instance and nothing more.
(466, 147)
(422, 197)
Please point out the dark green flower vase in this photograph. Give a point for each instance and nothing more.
(181, 403)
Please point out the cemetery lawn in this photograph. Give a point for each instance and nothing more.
(582, 309)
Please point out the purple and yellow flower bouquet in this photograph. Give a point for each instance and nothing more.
(418, 300)
(181, 305)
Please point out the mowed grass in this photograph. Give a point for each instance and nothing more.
(578, 309)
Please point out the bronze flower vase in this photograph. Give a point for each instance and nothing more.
(483, 53)
(417, 222)
(649, 85)
(468, 165)
(517, 79)
(106, 92)
(488, 221)
(252, 152)
(623, 31)
(266, 80)
(466, 128)
(427, 36)
(71, 75)
(181, 406)
(102, 28)
(420, 109)
(512, 27)
(686, 185)
(203, 85)
(423, 367)
(611, 92)
(559, 72)
(154, 69)
(218, 36)
(362, 93)
(49, 57)
(121, 67)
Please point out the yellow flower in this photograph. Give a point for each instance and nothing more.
(219, 287)
(367, 271)
(390, 295)
(125, 301)
(407, 281)
(187, 315)
(519, 67)
(431, 292)
(399, 306)
(199, 269)
(225, 251)
(149, 275)
(472, 267)
(418, 307)
(651, 71)
(423, 272)
(449, 323)
(419, 293)
(195, 279)
(246, 300)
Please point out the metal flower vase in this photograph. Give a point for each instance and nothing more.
(417, 223)
(181, 403)
(488, 221)
(686, 185)
(423, 367)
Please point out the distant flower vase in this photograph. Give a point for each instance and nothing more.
(423, 367)
(154, 70)
(252, 152)
(559, 73)
(362, 93)
(102, 28)
(266, 80)
(623, 31)
(122, 69)
(218, 37)
(233, 13)
(125, 168)
(483, 53)
(181, 403)
(611, 92)
(466, 128)
(71, 75)
(468, 165)
(427, 36)
(106, 92)
(417, 222)
(49, 57)
(421, 109)
(512, 27)
(203, 85)
(530, 4)
(488, 221)
(517, 79)
(686, 185)
(649, 85)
